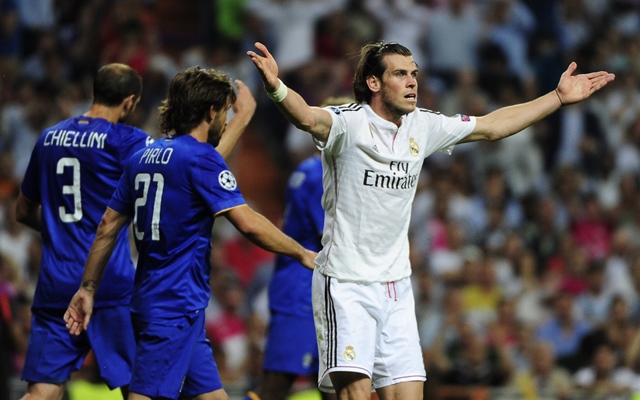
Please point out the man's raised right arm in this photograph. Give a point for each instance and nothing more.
(315, 120)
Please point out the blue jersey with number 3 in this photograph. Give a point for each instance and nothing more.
(173, 189)
(73, 171)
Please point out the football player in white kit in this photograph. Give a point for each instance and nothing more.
(372, 154)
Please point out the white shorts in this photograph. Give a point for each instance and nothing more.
(367, 328)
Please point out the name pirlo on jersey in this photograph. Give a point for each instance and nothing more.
(65, 138)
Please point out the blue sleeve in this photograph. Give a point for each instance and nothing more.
(213, 180)
(137, 139)
(121, 201)
(30, 186)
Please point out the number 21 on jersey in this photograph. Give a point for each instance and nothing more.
(146, 179)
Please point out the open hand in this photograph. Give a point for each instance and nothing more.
(79, 312)
(267, 67)
(575, 88)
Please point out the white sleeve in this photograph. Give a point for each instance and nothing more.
(444, 132)
(338, 138)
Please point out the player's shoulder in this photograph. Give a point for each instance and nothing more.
(68, 123)
(130, 130)
(346, 109)
(426, 112)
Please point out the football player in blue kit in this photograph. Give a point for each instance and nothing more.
(173, 190)
(73, 171)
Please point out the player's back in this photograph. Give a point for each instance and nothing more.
(73, 171)
(173, 189)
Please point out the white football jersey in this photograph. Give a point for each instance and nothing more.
(370, 174)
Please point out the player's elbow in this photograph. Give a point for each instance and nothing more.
(245, 220)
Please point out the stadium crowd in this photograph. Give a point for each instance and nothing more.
(525, 252)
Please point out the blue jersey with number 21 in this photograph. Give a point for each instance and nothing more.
(173, 189)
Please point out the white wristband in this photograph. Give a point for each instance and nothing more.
(280, 93)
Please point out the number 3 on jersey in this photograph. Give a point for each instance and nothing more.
(73, 189)
(146, 180)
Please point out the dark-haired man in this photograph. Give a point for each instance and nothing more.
(73, 171)
(372, 153)
(173, 190)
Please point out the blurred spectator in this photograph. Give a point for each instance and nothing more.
(16, 241)
(403, 21)
(595, 303)
(511, 25)
(604, 377)
(617, 267)
(564, 331)
(293, 23)
(453, 37)
(543, 379)
(591, 230)
(541, 232)
(529, 306)
(481, 294)
(10, 42)
(478, 364)
(227, 332)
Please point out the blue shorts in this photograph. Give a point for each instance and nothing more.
(53, 353)
(291, 345)
(173, 359)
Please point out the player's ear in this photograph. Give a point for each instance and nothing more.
(374, 83)
(210, 115)
(129, 102)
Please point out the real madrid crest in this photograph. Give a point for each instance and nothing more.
(349, 353)
(414, 149)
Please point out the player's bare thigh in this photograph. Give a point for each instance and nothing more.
(44, 391)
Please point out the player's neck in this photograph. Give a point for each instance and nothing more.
(111, 114)
(383, 111)
(200, 132)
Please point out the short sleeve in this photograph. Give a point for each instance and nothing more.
(132, 142)
(30, 186)
(122, 199)
(213, 180)
(338, 138)
(450, 130)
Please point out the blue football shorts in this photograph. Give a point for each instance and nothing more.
(173, 359)
(291, 345)
(53, 353)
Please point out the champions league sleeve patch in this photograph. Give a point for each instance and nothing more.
(336, 110)
(465, 118)
(227, 180)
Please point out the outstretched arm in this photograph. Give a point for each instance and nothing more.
(262, 232)
(80, 309)
(509, 120)
(314, 120)
(243, 109)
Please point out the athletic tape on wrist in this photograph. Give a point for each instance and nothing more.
(280, 93)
